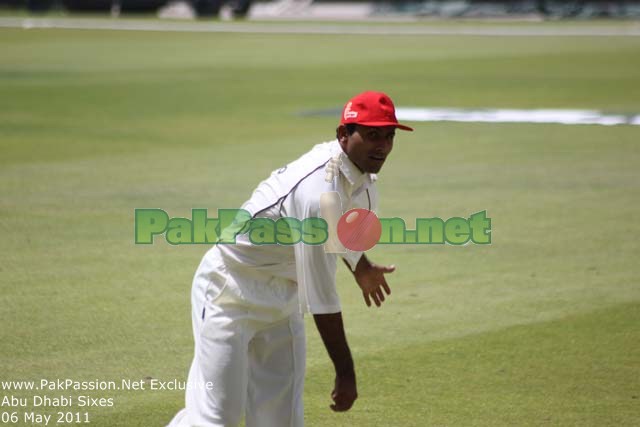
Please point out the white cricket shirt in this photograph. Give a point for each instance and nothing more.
(294, 191)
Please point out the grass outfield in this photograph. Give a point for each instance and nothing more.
(539, 328)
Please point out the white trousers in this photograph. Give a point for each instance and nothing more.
(249, 350)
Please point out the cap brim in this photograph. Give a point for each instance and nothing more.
(398, 125)
(403, 127)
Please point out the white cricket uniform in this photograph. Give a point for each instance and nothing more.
(248, 301)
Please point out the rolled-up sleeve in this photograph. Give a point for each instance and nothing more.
(315, 269)
(316, 273)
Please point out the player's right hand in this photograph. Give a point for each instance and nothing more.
(344, 393)
(370, 278)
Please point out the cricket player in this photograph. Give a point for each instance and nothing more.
(248, 300)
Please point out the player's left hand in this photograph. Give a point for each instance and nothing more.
(370, 278)
(344, 393)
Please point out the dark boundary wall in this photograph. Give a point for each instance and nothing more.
(204, 8)
(494, 8)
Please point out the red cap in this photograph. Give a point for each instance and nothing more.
(371, 109)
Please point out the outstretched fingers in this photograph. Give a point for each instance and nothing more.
(376, 299)
(388, 268)
(385, 286)
(366, 299)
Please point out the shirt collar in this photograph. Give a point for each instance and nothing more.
(351, 171)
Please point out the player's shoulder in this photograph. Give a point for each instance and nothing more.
(313, 185)
(283, 181)
(309, 172)
(313, 159)
(307, 168)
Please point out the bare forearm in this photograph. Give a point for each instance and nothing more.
(331, 329)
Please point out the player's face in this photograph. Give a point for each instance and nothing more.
(368, 147)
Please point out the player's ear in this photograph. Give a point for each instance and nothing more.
(343, 135)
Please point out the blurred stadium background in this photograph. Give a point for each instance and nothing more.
(354, 8)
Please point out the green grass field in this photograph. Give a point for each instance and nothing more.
(539, 328)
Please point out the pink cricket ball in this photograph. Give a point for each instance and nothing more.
(359, 229)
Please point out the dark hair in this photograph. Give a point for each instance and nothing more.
(351, 128)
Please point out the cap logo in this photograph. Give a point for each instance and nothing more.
(348, 114)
